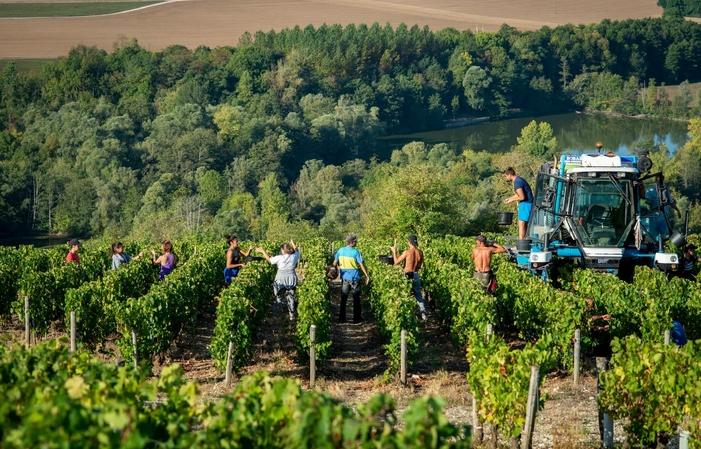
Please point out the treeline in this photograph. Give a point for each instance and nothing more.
(685, 8)
(283, 128)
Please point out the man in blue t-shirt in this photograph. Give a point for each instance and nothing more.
(524, 196)
(350, 262)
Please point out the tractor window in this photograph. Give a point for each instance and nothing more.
(548, 201)
(602, 214)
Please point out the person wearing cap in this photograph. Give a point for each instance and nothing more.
(482, 255)
(414, 258)
(688, 260)
(524, 195)
(72, 256)
(349, 261)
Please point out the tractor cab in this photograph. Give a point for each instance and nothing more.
(595, 210)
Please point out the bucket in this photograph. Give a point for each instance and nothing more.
(677, 239)
(523, 244)
(387, 259)
(505, 218)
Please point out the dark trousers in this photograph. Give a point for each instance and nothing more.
(347, 287)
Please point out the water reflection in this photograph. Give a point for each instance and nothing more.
(40, 241)
(575, 133)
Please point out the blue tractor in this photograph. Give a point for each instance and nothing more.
(596, 211)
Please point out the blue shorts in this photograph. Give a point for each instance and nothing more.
(524, 211)
(230, 273)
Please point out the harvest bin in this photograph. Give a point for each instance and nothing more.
(505, 218)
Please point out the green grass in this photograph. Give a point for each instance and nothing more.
(8, 10)
(26, 65)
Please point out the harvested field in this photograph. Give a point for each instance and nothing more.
(71, 9)
(221, 22)
(26, 65)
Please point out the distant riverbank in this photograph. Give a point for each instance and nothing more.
(576, 132)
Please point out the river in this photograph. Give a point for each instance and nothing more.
(575, 133)
(40, 241)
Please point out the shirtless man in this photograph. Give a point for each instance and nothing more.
(482, 255)
(414, 258)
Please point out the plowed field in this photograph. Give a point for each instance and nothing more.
(221, 22)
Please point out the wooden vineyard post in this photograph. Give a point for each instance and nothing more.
(229, 363)
(531, 408)
(476, 424)
(684, 439)
(312, 356)
(605, 421)
(608, 431)
(73, 336)
(490, 330)
(136, 351)
(577, 348)
(666, 337)
(403, 359)
(26, 321)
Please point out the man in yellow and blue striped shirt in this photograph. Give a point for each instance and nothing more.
(350, 262)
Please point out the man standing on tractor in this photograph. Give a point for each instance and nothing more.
(524, 195)
(482, 255)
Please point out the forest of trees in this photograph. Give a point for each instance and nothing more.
(681, 8)
(282, 131)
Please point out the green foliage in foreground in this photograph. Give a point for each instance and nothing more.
(461, 303)
(159, 316)
(393, 305)
(56, 399)
(313, 296)
(242, 306)
(655, 389)
(47, 289)
(499, 378)
(66, 9)
(95, 303)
